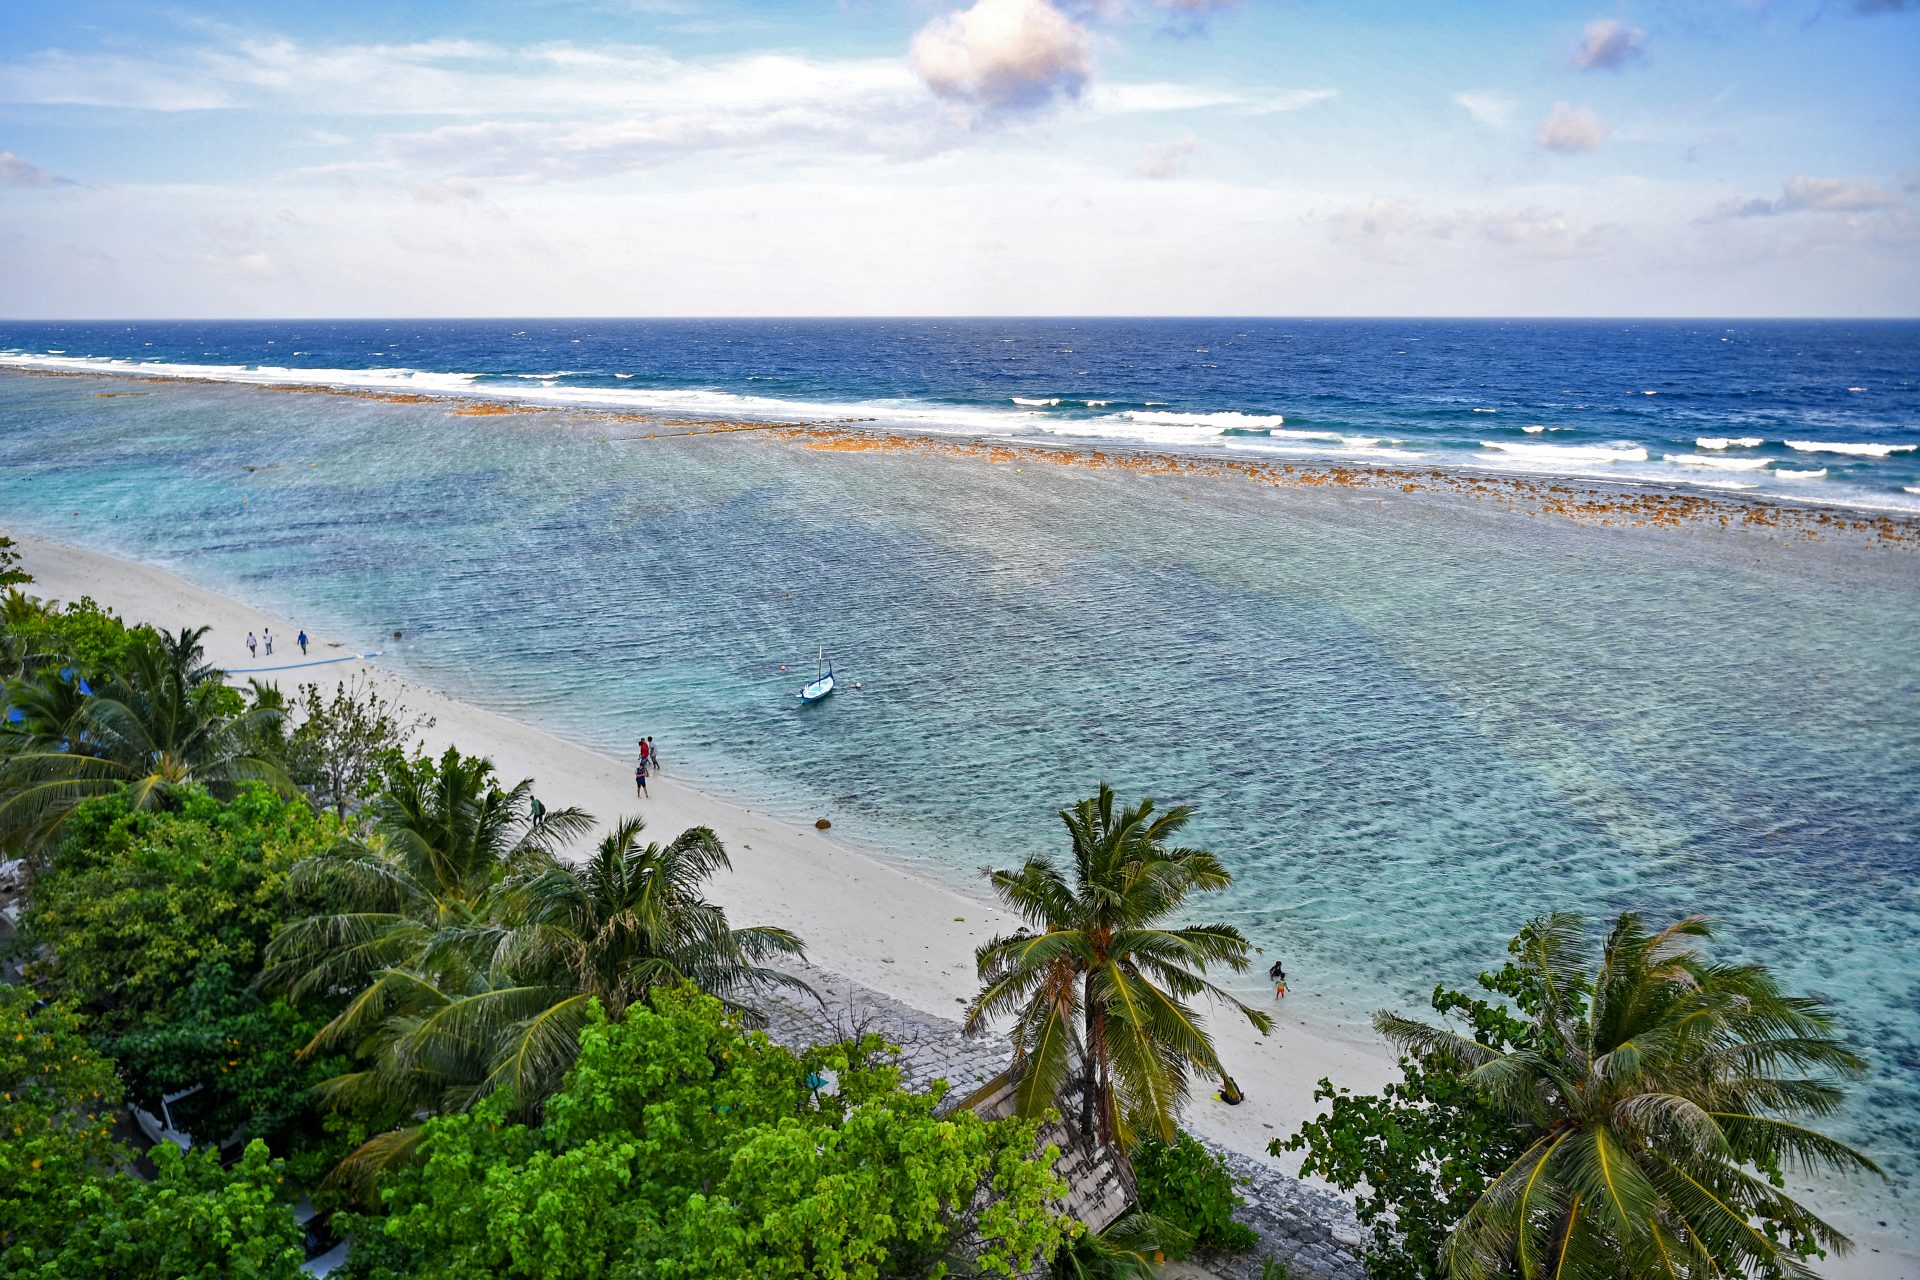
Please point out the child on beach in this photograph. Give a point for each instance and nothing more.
(253, 645)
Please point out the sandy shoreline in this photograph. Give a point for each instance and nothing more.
(862, 918)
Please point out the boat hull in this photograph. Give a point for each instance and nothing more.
(815, 690)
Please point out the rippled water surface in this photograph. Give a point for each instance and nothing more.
(1821, 411)
(1409, 722)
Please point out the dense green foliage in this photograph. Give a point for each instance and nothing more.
(194, 1221)
(1097, 982)
(1633, 1120)
(684, 1146)
(154, 924)
(82, 634)
(1189, 1188)
(157, 718)
(56, 1094)
(134, 902)
(1421, 1152)
(475, 951)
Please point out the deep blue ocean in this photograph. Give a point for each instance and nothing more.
(1409, 720)
(1823, 411)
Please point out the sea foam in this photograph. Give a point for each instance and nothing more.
(1722, 464)
(1618, 452)
(1851, 450)
(1728, 442)
(1230, 421)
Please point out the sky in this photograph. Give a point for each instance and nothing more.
(959, 157)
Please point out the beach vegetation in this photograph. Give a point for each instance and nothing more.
(134, 902)
(194, 1220)
(11, 574)
(82, 634)
(1098, 982)
(160, 719)
(1632, 1112)
(338, 742)
(470, 953)
(1190, 1189)
(153, 925)
(57, 1096)
(1125, 1250)
(685, 1145)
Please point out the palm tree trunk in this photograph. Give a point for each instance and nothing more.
(1094, 1050)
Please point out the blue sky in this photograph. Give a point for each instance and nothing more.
(680, 157)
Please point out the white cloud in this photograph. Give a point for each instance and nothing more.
(1169, 159)
(1292, 101)
(1609, 44)
(1531, 231)
(15, 172)
(1569, 128)
(1494, 110)
(1814, 195)
(1007, 54)
(1161, 95)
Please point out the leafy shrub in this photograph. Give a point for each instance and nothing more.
(1186, 1185)
(55, 1128)
(135, 902)
(685, 1148)
(83, 632)
(194, 1221)
(1419, 1153)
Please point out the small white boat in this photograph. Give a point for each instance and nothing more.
(821, 685)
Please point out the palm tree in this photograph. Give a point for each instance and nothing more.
(162, 720)
(1097, 982)
(1661, 1091)
(632, 919)
(408, 932)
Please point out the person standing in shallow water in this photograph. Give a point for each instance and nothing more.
(1278, 976)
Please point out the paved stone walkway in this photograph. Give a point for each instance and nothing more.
(1311, 1230)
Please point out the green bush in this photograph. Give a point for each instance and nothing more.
(154, 922)
(685, 1148)
(1186, 1185)
(135, 902)
(84, 632)
(56, 1096)
(194, 1221)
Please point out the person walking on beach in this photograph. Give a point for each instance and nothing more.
(267, 637)
(253, 645)
(303, 643)
(640, 772)
(1278, 976)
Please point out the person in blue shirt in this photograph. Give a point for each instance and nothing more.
(303, 644)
